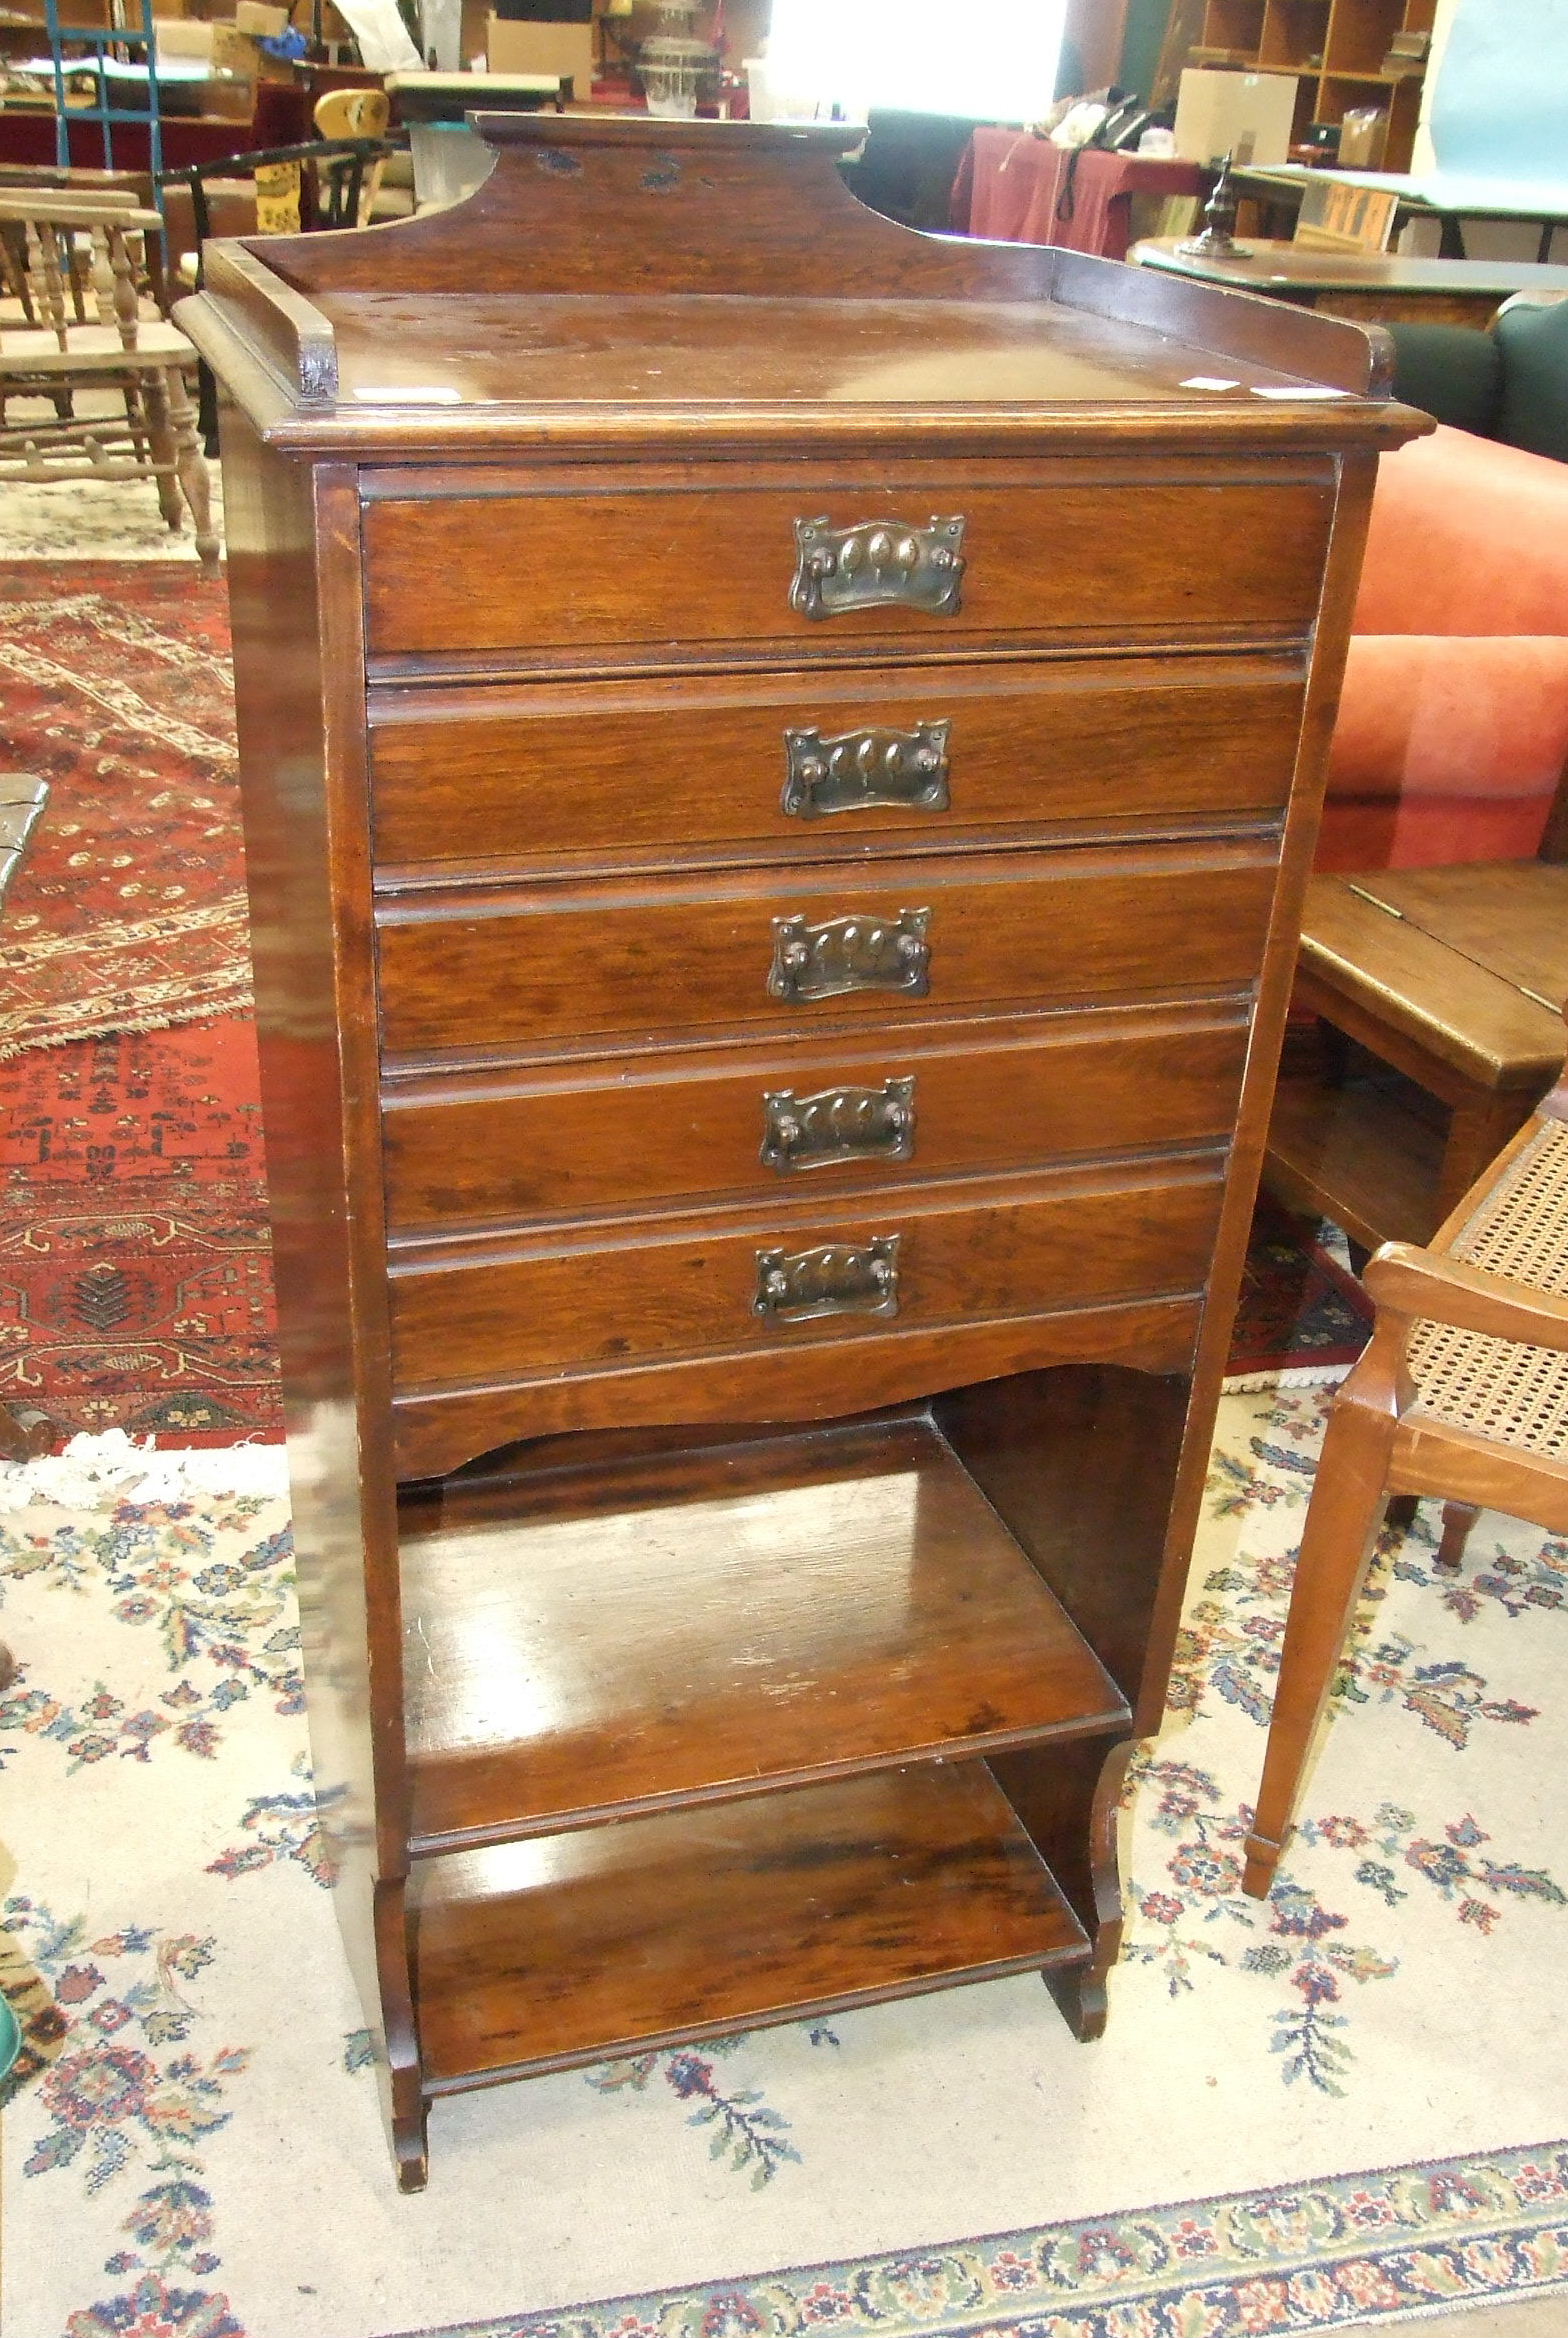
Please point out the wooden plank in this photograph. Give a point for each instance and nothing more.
(702, 1622)
(1407, 979)
(625, 1938)
(1509, 917)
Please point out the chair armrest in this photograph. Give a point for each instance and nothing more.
(1519, 300)
(1411, 1281)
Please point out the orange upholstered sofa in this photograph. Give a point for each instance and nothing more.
(1453, 728)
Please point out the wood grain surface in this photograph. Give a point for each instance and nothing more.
(968, 1252)
(686, 568)
(601, 771)
(805, 1381)
(520, 967)
(991, 1093)
(620, 1938)
(573, 1648)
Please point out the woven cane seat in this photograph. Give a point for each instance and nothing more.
(1497, 1388)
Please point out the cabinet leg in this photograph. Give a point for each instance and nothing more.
(1067, 1799)
(409, 2148)
(1348, 1501)
(406, 2106)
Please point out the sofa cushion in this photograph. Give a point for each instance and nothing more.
(1445, 749)
(1466, 537)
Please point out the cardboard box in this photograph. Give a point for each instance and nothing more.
(511, 47)
(1247, 115)
(179, 36)
(264, 24)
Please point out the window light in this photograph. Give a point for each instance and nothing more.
(992, 59)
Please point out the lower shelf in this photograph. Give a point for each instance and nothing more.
(565, 1949)
(1364, 1154)
(710, 1621)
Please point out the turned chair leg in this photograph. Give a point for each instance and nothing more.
(191, 467)
(1458, 1518)
(1348, 1500)
(159, 424)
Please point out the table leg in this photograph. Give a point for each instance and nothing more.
(1477, 1134)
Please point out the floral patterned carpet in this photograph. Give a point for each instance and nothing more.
(1340, 2108)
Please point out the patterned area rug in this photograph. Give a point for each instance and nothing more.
(1302, 1318)
(129, 912)
(1338, 2109)
(135, 1272)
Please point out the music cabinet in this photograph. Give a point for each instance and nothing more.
(780, 756)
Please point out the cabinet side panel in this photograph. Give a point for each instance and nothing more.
(1081, 1461)
(298, 790)
(1331, 643)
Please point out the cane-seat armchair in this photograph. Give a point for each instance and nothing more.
(1462, 1393)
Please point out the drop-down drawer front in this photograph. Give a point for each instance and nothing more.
(801, 1273)
(981, 1094)
(541, 966)
(804, 764)
(930, 562)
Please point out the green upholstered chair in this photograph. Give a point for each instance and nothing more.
(1509, 383)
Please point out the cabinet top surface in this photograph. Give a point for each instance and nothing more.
(396, 348)
(615, 278)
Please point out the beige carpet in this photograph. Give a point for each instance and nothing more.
(91, 519)
(1337, 2110)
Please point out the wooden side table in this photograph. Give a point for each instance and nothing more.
(1386, 288)
(1454, 977)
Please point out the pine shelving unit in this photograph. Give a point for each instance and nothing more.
(1336, 47)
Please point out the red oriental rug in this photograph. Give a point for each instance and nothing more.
(1302, 1317)
(128, 913)
(135, 1271)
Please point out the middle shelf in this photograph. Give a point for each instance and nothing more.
(710, 1622)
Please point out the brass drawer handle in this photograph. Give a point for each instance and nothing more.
(859, 768)
(841, 1278)
(877, 563)
(839, 1124)
(850, 953)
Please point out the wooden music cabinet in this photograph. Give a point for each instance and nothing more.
(780, 756)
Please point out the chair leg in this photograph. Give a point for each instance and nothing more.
(160, 437)
(160, 440)
(207, 409)
(1336, 1547)
(1458, 1518)
(136, 424)
(192, 467)
(1401, 1512)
